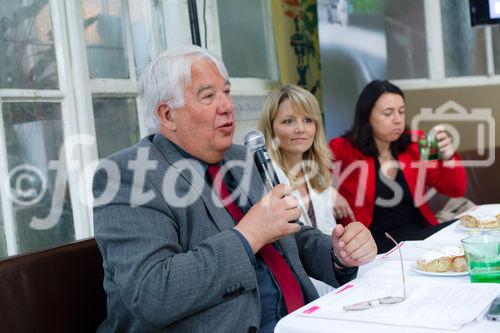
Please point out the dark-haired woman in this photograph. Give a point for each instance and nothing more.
(380, 171)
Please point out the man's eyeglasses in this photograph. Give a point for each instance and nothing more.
(382, 300)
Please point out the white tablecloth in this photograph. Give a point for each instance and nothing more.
(389, 270)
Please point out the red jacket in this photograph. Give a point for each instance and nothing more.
(446, 179)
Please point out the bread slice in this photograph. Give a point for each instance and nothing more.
(440, 265)
(459, 264)
(446, 259)
(488, 224)
(469, 221)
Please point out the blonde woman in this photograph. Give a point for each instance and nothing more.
(293, 129)
(292, 125)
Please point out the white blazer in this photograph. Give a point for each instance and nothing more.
(322, 203)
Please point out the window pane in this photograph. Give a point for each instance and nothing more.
(116, 124)
(105, 38)
(34, 136)
(140, 38)
(28, 59)
(404, 24)
(464, 47)
(246, 56)
(495, 36)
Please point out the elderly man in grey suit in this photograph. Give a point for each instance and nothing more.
(180, 255)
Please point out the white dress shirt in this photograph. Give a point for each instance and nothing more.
(323, 212)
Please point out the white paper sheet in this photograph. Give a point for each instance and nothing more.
(439, 306)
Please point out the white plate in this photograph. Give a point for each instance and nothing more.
(414, 268)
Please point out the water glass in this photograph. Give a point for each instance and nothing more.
(483, 257)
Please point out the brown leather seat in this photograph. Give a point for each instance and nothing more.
(55, 290)
(483, 183)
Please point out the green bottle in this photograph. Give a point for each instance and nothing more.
(423, 147)
(433, 148)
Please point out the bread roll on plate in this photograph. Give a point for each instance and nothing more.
(472, 220)
(445, 259)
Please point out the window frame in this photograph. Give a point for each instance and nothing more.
(436, 62)
(87, 88)
(178, 32)
(65, 97)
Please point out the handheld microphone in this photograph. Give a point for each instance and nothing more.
(255, 142)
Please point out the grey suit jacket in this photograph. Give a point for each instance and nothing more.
(173, 266)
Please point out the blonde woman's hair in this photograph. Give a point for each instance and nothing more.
(318, 158)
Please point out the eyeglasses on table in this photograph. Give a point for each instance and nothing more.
(364, 305)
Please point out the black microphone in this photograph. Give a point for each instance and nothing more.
(255, 142)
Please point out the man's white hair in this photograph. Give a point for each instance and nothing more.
(166, 78)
